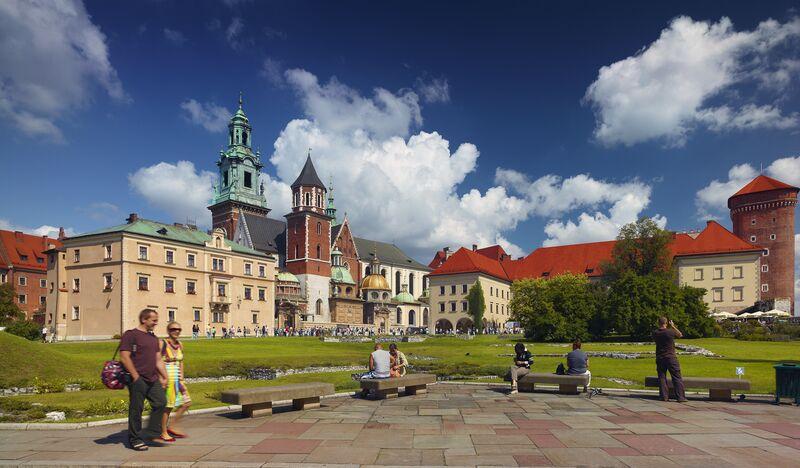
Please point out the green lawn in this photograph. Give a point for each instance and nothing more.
(28, 362)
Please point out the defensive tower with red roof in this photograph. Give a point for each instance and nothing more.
(763, 213)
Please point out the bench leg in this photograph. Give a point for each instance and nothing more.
(416, 389)
(524, 386)
(305, 403)
(386, 394)
(568, 389)
(257, 409)
(719, 394)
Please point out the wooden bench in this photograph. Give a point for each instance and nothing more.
(388, 388)
(566, 383)
(258, 401)
(718, 389)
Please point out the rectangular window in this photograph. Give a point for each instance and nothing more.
(41, 260)
(171, 315)
(255, 317)
(766, 253)
(23, 299)
(143, 252)
(218, 264)
(765, 287)
(262, 294)
(42, 283)
(218, 317)
(196, 315)
(441, 290)
(717, 273)
(764, 268)
(23, 281)
(3, 278)
(190, 287)
(738, 294)
(463, 288)
(169, 257)
(248, 269)
(76, 285)
(698, 274)
(464, 306)
(491, 291)
(248, 295)
(77, 256)
(262, 271)
(190, 260)
(42, 300)
(248, 179)
(107, 252)
(453, 289)
(144, 282)
(491, 307)
(221, 289)
(441, 307)
(717, 294)
(772, 237)
(738, 272)
(452, 306)
(169, 285)
(76, 313)
(107, 282)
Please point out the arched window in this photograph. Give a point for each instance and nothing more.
(319, 200)
(318, 252)
(399, 316)
(385, 295)
(425, 317)
(308, 199)
(296, 202)
(411, 283)
(412, 317)
(319, 307)
(367, 271)
(383, 272)
(244, 138)
(319, 228)
(296, 251)
(230, 141)
(397, 282)
(349, 290)
(346, 266)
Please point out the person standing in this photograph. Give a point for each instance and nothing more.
(140, 354)
(522, 364)
(578, 363)
(44, 334)
(176, 391)
(667, 360)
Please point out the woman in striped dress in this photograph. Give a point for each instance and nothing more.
(178, 399)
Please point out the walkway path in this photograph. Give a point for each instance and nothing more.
(453, 424)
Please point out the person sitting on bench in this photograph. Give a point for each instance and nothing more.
(380, 365)
(578, 362)
(522, 365)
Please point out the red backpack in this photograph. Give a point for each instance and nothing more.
(114, 375)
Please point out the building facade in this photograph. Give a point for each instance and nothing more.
(99, 282)
(23, 264)
(448, 299)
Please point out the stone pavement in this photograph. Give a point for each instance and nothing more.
(453, 424)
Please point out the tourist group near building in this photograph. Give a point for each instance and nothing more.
(309, 269)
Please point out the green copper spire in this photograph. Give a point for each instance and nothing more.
(331, 210)
(239, 166)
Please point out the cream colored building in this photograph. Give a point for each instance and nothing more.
(449, 307)
(100, 281)
(731, 281)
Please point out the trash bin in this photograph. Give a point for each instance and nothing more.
(787, 381)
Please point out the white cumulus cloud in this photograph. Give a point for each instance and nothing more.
(712, 200)
(663, 91)
(179, 189)
(52, 55)
(208, 115)
(43, 230)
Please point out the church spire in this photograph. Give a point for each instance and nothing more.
(331, 209)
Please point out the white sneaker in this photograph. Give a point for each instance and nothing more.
(513, 390)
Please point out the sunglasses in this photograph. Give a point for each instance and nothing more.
(174, 329)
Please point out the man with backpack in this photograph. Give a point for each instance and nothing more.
(141, 355)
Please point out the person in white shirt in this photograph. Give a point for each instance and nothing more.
(380, 365)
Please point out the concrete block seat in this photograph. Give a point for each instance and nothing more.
(566, 383)
(718, 389)
(258, 401)
(388, 388)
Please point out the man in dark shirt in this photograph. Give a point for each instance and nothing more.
(667, 360)
(141, 355)
(522, 365)
(578, 363)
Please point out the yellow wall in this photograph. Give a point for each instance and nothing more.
(749, 283)
(496, 293)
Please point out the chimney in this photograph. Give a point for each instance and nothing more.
(474, 247)
(447, 253)
(18, 235)
(61, 234)
(132, 218)
(44, 242)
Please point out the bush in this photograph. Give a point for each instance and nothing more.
(26, 329)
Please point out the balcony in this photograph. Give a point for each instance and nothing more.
(220, 299)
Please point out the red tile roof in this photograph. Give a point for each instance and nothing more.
(438, 259)
(762, 183)
(494, 252)
(23, 250)
(586, 258)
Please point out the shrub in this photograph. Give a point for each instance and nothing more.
(25, 328)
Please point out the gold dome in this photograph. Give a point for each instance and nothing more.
(375, 281)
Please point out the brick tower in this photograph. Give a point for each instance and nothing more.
(763, 213)
(308, 241)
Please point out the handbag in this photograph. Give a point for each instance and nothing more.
(560, 369)
(114, 375)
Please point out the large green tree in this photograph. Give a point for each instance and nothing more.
(477, 305)
(558, 309)
(642, 248)
(9, 311)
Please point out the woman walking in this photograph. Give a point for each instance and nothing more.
(178, 399)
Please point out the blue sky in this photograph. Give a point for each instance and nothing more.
(518, 122)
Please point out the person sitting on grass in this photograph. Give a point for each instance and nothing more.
(522, 365)
(400, 363)
(578, 363)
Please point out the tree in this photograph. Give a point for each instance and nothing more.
(477, 305)
(558, 309)
(9, 311)
(642, 248)
(27, 329)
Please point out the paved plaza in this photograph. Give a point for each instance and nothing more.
(453, 425)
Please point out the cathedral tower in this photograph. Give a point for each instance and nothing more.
(238, 189)
(308, 240)
(763, 213)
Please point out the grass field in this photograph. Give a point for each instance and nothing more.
(51, 365)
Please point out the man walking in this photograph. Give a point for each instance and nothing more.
(140, 354)
(667, 360)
